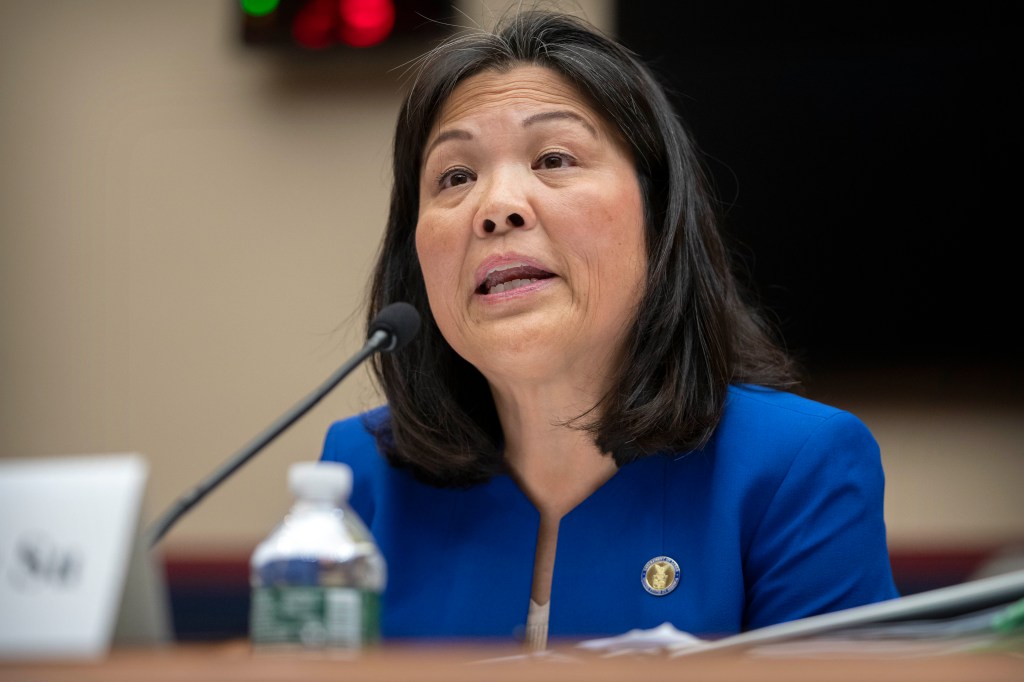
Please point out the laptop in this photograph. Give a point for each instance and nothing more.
(943, 604)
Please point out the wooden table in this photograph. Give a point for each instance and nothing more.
(236, 661)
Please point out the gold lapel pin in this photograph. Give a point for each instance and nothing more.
(660, 575)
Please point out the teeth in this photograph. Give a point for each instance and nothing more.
(511, 284)
(502, 268)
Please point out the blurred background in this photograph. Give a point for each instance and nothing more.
(192, 193)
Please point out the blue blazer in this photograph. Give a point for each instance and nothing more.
(778, 517)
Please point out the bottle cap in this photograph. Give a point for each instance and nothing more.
(330, 481)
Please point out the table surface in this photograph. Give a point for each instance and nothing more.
(230, 661)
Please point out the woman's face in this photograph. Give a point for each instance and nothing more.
(530, 232)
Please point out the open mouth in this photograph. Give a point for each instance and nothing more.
(511, 276)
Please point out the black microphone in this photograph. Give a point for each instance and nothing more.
(399, 322)
(392, 329)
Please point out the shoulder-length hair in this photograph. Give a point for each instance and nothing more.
(693, 334)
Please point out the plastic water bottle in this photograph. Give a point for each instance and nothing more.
(317, 578)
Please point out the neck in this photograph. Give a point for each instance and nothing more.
(558, 465)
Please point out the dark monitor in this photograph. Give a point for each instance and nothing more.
(867, 157)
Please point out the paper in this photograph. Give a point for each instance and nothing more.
(666, 637)
(66, 530)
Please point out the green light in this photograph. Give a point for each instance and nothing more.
(258, 8)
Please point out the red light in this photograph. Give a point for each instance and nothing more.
(315, 23)
(357, 23)
(365, 22)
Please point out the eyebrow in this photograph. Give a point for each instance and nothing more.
(460, 134)
(453, 134)
(557, 115)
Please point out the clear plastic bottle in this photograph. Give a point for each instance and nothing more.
(317, 578)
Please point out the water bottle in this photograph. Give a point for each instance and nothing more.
(317, 578)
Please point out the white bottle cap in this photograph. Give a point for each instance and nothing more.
(327, 481)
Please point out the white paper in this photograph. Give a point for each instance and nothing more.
(665, 637)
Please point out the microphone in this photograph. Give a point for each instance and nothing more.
(392, 329)
(398, 322)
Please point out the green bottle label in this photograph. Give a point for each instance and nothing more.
(315, 617)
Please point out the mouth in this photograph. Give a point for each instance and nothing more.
(511, 276)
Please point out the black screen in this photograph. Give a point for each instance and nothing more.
(867, 160)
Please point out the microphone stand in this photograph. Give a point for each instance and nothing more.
(379, 340)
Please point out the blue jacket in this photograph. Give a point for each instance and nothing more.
(778, 517)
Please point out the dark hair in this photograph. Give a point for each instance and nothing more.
(693, 334)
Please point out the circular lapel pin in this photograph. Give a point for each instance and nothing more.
(660, 575)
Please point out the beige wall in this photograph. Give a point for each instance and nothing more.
(185, 233)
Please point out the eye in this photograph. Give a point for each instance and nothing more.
(555, 160)
(453, 177)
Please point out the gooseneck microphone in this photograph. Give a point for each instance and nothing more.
(392, 329)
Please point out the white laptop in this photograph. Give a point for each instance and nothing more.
(945, 603)
(75, 578)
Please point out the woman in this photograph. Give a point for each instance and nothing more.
(589, 435)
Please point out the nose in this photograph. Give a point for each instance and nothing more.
(504, 206)
(512, 219)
